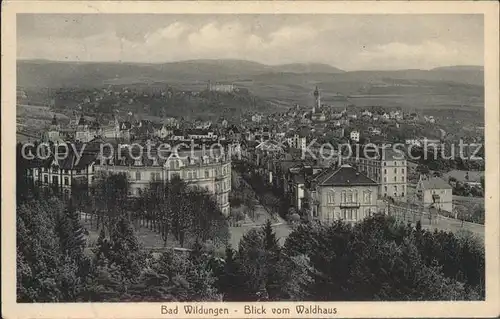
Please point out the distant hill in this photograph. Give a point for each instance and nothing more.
(40, 73)
(451, 86)
(460, 68)
(306, 68)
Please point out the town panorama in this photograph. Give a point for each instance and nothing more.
(334, 174)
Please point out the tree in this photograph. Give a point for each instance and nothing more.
(273, 253)
(45, 271)
(70, 233)
(125, 251)
(232, 282)
(252, 260)
(109, 196)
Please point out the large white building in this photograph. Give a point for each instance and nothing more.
(385, 166)
(198, 168)
(208, 170)
(342, 193)
(434, 192)
(355, 136)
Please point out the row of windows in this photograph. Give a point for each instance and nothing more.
(65, 171)
(395, 171)
(395, 163)
(349, 197)
(395, 188)
(395, 179)
(185, 174)
(395, 194)
(346, 214)
(55, 180)
(221, 187)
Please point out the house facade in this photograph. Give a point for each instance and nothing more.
(342, 193)
(434, 192)
(385, 166)
(212, 173)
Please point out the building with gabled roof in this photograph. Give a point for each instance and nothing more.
(342, 193)
(435, 192)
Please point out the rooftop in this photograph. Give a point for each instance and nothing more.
(434, 183)
(343, 176)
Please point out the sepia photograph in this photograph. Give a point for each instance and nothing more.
(215, 163)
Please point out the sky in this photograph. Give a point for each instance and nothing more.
(346, 41)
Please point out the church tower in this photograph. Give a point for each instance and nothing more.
(317, 100)
(54, 130)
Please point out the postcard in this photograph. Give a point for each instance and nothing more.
(259, 159)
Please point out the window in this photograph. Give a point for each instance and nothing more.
(172, 165)
(195, 174)
(385, 189)
(385, 171)
(349, 197)
(46, 179)
(395, 188)
(137, 176)
(207, 173)
(402, 171)
(395, 171)
(385, 179)
(402, 194)
(402, 178)
(368, 197)
(395, 178)
(367, 212)
(385, 164)
(78, 171)
(66, 181)
(158, 176)
(344, 197)
(331, 197)
(395, 163)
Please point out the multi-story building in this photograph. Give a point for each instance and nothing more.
(220, 87)
(298, 140)
(387, 167)
(64, 171)
(354, 135)
(342, 193)
(434, 192)
(210, 170)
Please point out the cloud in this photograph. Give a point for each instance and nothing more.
(344, 41)
(171, 32)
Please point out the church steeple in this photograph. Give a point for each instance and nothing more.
(317, 100)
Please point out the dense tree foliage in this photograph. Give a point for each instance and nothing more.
(379, 259)
(376, 259)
